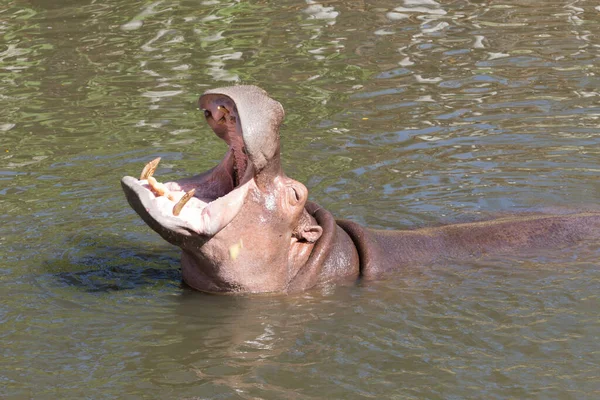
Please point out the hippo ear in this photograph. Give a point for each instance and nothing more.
(311, 233)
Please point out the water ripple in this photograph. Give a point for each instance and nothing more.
(398, 114)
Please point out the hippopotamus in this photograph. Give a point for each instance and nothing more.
(244, 226)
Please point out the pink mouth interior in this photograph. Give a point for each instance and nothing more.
(220, 195)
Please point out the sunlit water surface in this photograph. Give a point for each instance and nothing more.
(399, 114)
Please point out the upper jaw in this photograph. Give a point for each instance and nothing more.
(248, 120)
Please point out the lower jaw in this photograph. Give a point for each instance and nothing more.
(193, 276)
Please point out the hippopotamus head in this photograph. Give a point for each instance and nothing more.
(244, 227)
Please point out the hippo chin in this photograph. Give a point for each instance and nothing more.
(246, 227)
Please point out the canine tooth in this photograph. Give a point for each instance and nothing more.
(157, 187)
(149, 169)
(179, 206)
(225, 112)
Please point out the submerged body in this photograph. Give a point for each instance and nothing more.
(246, 227)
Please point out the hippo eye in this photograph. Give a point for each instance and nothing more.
(207, 114)
(294, 196)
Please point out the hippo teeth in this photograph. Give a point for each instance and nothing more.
(149, 169)
(205, 218)
(182, 202)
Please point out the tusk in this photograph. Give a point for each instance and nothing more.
(149, 169)
(225, 113)
(158, 188)
(179, 206)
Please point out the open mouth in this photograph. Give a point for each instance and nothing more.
(207, 202)
(248, 120)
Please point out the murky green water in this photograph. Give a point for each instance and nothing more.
(399, 114)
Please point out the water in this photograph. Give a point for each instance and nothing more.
(399, 114)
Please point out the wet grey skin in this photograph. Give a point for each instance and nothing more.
(246, 227)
